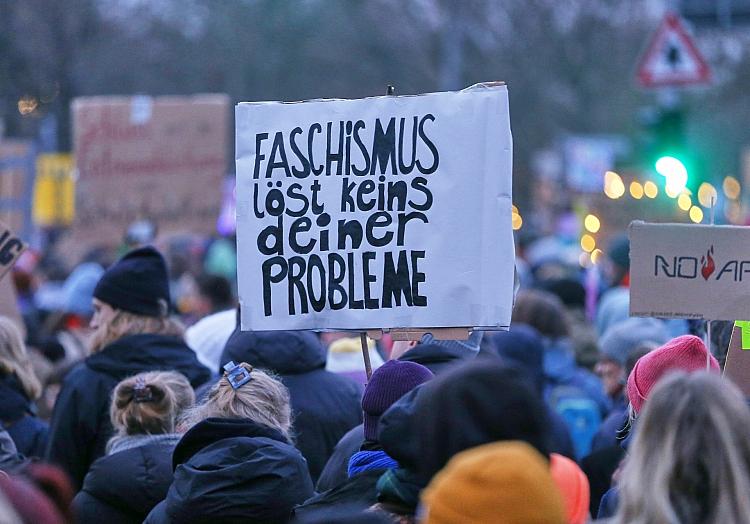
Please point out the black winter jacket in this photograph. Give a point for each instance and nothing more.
(80, 425)
(324, 405)
(233, 470)
(18, 415)
(124, 487)
(434, 357)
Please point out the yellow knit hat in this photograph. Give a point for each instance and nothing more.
(498, 483)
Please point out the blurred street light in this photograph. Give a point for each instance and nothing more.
(650, 189)
(731, 187)
(707, 195)
(613, 185)
(591, 223)
(588, 243)
(636, 190)
(696, 214)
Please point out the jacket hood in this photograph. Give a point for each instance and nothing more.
(284, 352)
(235, 470)
(134, 480)
(396, 429)
(212, 430)
(14, 403)
(134, 354)
(522, 346)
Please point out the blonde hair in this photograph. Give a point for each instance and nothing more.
(264, 400)
(124, 323)
(14, 359)
(690, 460)
(150, 403)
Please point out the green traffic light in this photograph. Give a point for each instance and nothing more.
(674, 170)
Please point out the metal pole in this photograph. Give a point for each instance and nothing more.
(366, 354)
(708, 322)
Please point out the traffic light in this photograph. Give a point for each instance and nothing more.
(671, 157)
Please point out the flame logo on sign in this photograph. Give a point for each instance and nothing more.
(707, 264)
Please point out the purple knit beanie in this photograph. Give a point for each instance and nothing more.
(389, 382)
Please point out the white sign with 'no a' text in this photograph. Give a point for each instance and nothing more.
(689, 271)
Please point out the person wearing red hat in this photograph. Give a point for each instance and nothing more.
(687, 354)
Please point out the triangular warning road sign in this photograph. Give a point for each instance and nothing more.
(671, 58)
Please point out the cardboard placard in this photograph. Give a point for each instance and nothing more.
(386, 212)
(737, 365)
(162, 159)
(11, 247)
(689, 271)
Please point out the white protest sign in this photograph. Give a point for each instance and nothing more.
(385, 212)
(689, 271)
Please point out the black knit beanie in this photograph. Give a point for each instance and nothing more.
(137, 283)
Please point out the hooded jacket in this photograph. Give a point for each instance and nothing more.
(18, 415)
(233, 470)
(435, 357)
(324, 405)
(80, 425)
(122, 488)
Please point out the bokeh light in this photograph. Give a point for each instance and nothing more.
(591, 223)
(613, 185)
(588, 243)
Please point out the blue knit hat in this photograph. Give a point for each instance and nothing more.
(137, 283)
(388, 383)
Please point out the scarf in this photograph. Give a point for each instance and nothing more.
(399, 487)
(123, 442)
(369, 460)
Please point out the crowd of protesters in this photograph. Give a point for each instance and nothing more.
(113, 411)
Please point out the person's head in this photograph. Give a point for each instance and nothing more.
(473, 404)
(150, 403)
(14, 360)
(507, 482)
(263, 400)
(522, 346)
(389, 383)
(574, 488)
(690, 458)
(132, 297)
(543, 311)
(686, 353)
(618, 342)
(617, 265)
(214, 294)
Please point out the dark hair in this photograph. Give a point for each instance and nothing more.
(543, 311)
(217, 290)
(474, 404)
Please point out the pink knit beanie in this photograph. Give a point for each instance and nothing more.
(685, 353)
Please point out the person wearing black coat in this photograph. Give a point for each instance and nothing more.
(324, 405)
(471, 405)
(19, 388)
(438, 356)
(236, 464)
(133, 334)
(388, 383)
(124, 486)
(18, 415)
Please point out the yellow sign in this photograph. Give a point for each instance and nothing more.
(54, 190)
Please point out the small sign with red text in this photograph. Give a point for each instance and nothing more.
(689, 271)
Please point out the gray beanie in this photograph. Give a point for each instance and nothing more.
(471, 345)
(623, 337)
